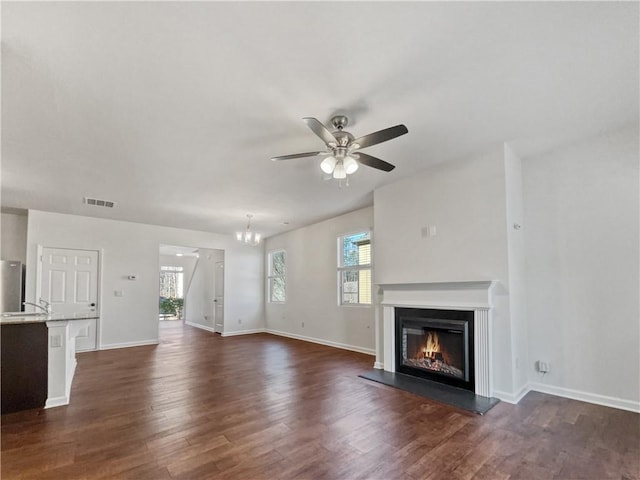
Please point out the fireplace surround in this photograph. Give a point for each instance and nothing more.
(471, 297)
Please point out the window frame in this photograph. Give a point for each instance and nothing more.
(271, 276)
(341, 268)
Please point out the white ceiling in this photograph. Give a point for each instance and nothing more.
(173, 110)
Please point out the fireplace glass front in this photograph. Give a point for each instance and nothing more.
(435, 344)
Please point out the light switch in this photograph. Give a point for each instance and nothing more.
(118, 293)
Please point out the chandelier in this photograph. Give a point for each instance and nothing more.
(249, 237)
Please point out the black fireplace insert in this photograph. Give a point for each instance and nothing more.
(436, 344)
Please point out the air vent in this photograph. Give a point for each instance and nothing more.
(99, 203)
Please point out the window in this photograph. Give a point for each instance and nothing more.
(171, 281)
(276, 277)
(171, 292)
(354, 269)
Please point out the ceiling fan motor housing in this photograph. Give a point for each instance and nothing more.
(343, 138)
(339, 121)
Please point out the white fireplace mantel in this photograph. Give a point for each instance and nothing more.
(462, 295)
(468, 295)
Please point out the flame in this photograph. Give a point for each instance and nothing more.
(433, 344)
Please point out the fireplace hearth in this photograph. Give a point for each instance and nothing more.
(436, 345)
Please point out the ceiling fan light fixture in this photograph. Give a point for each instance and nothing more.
(339, 172)
(342, 156)
(328, 164)
(350, 165)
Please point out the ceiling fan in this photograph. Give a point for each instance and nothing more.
(343, 156)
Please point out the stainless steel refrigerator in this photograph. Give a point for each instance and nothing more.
(11, 286)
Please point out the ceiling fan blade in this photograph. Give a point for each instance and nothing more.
(374, 162)
(380, 136)
(320, 130)
(296, 155)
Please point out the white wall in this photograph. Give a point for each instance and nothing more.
(312, 295)
(13, 241)
(581, 219)
(132, 248)
(466, 202)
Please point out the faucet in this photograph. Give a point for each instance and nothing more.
(42, 305)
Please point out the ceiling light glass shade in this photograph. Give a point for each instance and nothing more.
(339, 172)
(249, 237)
(350, 165)
(328, 164)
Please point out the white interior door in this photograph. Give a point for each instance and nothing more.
(69, 281)
(218, 300)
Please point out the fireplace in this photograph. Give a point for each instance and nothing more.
(470, 301)
(436, 344)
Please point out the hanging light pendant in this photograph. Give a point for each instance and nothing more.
(249, 237)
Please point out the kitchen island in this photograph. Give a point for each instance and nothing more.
(38, 358)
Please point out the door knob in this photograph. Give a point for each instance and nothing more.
(92, 304)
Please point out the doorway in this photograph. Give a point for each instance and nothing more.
(191, 287)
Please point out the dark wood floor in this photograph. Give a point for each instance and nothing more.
(260, 406)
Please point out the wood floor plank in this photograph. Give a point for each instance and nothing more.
(200, 406)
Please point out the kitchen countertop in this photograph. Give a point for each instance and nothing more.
(15, 318)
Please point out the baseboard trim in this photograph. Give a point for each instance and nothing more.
(57, 401)
(113, 346)
(343, 346)
(595, 398)
(202, 327)
(510, 397)
(378, 365)
(243, 332)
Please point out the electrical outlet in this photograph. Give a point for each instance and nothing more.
(302, 324)
(56, 341)
(239, 321)
(428, 231)
(543, 367)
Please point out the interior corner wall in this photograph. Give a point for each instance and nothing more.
(465, 201)
(312, 294)
(516, 237)
(132, 249)
(581, 219)
(13, 241)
